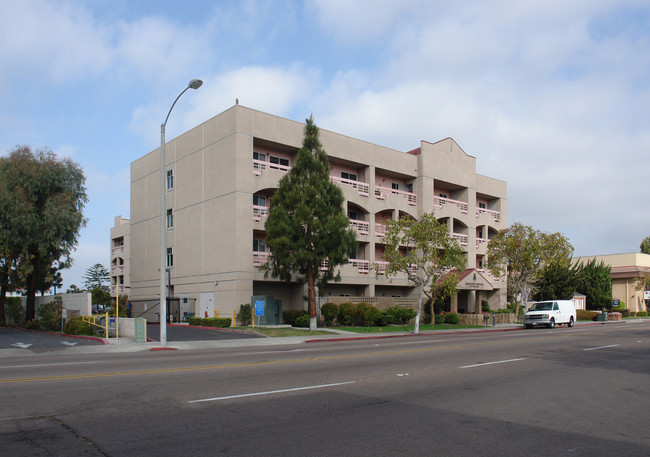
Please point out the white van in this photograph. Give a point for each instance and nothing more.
(551, 313)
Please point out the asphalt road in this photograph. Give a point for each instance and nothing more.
(575, 392)
(11, 338)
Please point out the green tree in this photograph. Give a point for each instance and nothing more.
(594, 280)
(424, 251)
(645, 245)
(41, 203)
(97, 277)
(558, 281)
(73, 289)
(521, 253)
(306, 224)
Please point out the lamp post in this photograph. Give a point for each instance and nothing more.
(193, 84)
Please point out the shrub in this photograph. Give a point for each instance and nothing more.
(347, 313)
(194, 320)
(485, 306)
(384, 318)
(504, 311)
(50, 314)
(216, 322)
(302, 320)
(401, 314)
(439, 319)
(625, 312)
(329, 311)
(77, 326)
(15, 312)
(33, 325)
(438, 307)
(451, 318)
(364, 314)
(642, 314)
(586, 315)
(244, 314)
(289, 316)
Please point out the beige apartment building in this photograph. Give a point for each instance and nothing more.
(120, 257)
(627, 271)
(221, 175)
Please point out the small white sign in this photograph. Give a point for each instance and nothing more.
(646, 294)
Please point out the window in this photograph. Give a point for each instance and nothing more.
(259, 246)
(259, 156)
(170, 179)
(352, 215)
(481, 205)
(170, 257)
(350, 176)
(259, 200)
(441, 195)
(480, 234)
(279, 160)
(409, 188)
(170, 218)
(394, 186)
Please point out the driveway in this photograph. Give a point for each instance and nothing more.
(176, 332)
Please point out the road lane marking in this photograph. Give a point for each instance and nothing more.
(45, 365)
(601, 347)
(492, 363)
(271, 392)
(22, 345)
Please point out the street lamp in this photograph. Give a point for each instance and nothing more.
(193, 84)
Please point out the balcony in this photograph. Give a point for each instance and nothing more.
(260, 258)
(361, 187)
(480, 241)
(439, 202)
(117, 270)
(496, 215)
(381, 192)
(260, 166)
(380, 230)
(260, 212)
(362, 266)
(362, 227)
(462, 239)
(117, 250)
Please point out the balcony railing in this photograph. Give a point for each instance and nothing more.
(363, 266)
(260, 212)
(362, 187)
(117, 269)
(439, 202)
(381, 266)
(362, 227)
(381, 192)
(260, 257)
(462, 239)
(260, 166)
(480, 241)
(380, 229)
(496, 215)
(117, 250)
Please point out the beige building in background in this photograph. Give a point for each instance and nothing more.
(120, 257)
(627, 269)
(221, 176)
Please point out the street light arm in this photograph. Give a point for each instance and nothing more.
(193, 84)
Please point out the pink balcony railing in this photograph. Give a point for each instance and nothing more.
(439, 202)
(496, 215)
(480, 241)
(380, 229)
(362, 227)
(462, 239)
(362, 187)
(260, 212)
(381, 192)
(381, 266)
(363, 266)
(117, 250)
(260, 166)
(117, 269)
(260, 258)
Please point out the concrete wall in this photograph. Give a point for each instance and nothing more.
(76, 304)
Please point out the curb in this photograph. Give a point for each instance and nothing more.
(379, 337)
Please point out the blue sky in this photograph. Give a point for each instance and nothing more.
(552, 97)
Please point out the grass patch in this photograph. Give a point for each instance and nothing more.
(407, 328)
(280, 332)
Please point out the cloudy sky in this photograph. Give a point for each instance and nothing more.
(552, 97)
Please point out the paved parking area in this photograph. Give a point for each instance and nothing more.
(179, 332)
(11, 338)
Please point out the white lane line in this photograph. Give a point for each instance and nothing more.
(601, 347)
(492, 363)
(253, 394)
(45, 365)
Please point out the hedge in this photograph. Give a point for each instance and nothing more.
(329, 312)
(77, 326)
(289, 316)
(586, 315)
(220, 322)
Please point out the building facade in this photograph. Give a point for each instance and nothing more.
(627, 271)
(221, 175)
(120, 257)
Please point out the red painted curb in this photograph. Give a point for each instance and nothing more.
(164, 349)
(83, 337)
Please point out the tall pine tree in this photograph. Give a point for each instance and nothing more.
(307, 224)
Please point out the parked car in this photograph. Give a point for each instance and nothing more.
(551, 313)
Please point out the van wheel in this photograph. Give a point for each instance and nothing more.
(571, 322)
(552, 323)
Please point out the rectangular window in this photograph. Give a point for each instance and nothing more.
(259, 156)
(441, 195)
(394, 186)
(170, 257)
(259, 246)
(170, 218)
(279, 160)
(352, 215)
(170, 179)
(409, 188)
(350, 176)
(259, 200)
(481, 205)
